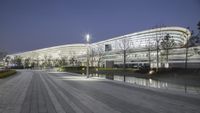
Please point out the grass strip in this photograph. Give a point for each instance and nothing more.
(7, 73)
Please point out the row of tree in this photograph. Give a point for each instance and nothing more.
(47, 61)
(166, 43)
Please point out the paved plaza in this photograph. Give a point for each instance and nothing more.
(41, 92)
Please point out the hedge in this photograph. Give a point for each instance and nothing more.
(7, 73)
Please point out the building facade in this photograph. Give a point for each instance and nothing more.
(159, 47)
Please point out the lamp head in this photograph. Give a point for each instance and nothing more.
(87, 37)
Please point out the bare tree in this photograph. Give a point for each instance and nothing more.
(149, 47)
(157, 47)
(92, 54)
(27, 62)
(198, 25)
(3, 54)
(63, 61)
(100, 53)
(47, 61)
(72, 59)
(37, 61)
(196, 51)
(167, 43)
(7, 60)
(17, 60)
(124, 45)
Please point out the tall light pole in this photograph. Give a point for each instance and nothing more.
(87, 40)
(186, 49)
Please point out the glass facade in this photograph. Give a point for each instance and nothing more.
(141, 47)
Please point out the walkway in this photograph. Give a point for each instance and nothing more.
(40, 92)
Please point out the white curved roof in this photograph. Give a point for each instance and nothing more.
(180, 29)
(81, 48)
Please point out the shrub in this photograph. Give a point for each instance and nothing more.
(6, 73)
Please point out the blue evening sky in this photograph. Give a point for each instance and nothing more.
(32, 24)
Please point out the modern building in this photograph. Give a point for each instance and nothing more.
(159, 47)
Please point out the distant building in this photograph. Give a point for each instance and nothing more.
(142, 50)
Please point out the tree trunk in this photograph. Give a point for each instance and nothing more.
(186, 56)
(167, 55)
(157, 58)
(124, 66)
(98, 63)
(149, 58)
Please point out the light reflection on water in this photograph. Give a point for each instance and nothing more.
(150, 83)
(142, 81)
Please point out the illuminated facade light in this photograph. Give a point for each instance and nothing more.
(138, 44)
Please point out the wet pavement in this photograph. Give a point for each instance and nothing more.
(41, 92)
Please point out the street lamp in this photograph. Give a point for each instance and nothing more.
(87, 40)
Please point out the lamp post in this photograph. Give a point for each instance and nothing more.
(186, 49)
(87, 40)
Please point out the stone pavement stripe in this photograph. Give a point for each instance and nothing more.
(134, 96)
(61, 96)
(39, 92)
(34, 99)
(191, 100)
(11, 96)
(41, 100)
(71, 98)
(88, 101)
(13, 93)
(26, 104)
(111, 101)
(49, 104)
(63, 100)
(53, 98)
(138, 97)
(127, 94)
(21, 92)
(161, 102)
(32, 103)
